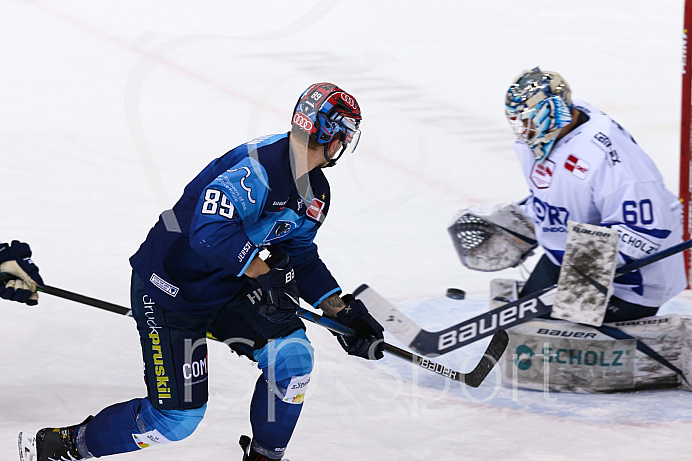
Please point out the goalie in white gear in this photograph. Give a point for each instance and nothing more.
(581, 165)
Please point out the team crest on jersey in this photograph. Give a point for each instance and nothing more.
(577, 167)
(315, 209)
(542, 173)
(280, 229)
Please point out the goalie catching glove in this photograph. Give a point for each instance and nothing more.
(15, 260)
(368, 341)
(493, 241)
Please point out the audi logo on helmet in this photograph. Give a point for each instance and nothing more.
(303, 122)
(348, 99)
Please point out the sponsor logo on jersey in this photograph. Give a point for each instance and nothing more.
(577, 166)
(281, 204)
(163, 391)
(614, 157)
(164, 286)
(246, 250)
(195, 370)
(551, 218)
(603, 139)
(542, 174)
(606, 145)
(637, 242)
(315, 209)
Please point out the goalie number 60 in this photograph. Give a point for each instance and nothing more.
(642, 212)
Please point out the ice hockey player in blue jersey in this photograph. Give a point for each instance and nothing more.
(15, 262)
(582, 166)
(199, 272)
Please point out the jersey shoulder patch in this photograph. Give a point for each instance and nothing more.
(319, 205)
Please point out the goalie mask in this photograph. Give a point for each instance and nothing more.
(538, 104)
(493, 241)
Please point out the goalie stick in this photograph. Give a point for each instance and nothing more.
(434, 343)
(474, 378)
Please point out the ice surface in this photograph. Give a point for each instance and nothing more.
(107, 109)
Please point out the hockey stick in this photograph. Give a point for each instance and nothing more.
(434, 343)
(473, 378)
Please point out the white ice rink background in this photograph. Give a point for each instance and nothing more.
(107, 110)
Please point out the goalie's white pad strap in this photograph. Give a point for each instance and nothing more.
(586, 275)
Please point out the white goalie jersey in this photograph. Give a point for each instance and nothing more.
(597, 174)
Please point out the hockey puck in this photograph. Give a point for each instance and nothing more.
(455, 293)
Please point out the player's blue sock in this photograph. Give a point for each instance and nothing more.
(133, 425)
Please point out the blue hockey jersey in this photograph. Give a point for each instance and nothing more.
(194, 257)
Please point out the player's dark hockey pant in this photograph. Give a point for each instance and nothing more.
(546, 274)
(175, 356)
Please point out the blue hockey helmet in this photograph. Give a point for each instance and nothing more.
(324, 111)
(538, 104)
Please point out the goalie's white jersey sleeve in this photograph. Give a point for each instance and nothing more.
(597, 174)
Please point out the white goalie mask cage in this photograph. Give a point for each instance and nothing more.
(494, 240)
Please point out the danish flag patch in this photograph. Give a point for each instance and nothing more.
(542, 174)
(577, 166)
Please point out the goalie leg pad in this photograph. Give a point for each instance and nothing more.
(586, 276)
(552, 355)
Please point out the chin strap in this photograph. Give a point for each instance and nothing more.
(332, 161)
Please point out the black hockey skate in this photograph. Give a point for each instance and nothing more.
(250, 455)
(50, 443)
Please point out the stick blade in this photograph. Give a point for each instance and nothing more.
(394, 321)
(497, 347)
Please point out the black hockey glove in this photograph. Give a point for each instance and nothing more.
(15, 260)
(368, 342)
(280, 296)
